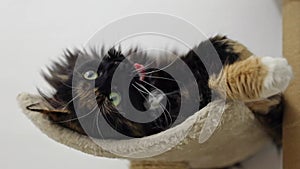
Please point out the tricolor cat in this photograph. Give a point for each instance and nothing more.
(256, 81)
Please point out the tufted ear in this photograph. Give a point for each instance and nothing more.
(114, 55)
(59, 72)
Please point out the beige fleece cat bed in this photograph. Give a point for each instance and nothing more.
(238, 134)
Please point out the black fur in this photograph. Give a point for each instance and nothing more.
(61, 78)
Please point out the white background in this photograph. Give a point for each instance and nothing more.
(34, 32)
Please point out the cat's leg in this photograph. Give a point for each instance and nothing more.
(259, 82)
(253, 79)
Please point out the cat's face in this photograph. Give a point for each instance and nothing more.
(92, 100)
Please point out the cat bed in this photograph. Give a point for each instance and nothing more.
(238, 136)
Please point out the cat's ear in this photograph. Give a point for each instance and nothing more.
(114, 55)
(59, 72)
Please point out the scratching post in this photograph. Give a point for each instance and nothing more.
(291, 50)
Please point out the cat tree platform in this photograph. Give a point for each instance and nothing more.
(238, 136)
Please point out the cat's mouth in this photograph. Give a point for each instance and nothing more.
(141, 70)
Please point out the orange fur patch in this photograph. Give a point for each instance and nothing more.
(242, 80)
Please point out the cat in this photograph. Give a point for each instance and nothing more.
(256, 81)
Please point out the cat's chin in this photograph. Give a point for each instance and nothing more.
(155, 100)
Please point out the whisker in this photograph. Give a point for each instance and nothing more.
(149, 85)
(105, 115)
(169, 93)
(146, 89)
(157, 77)
(139, 89)
(164, 109)
(94, 122)
(64, 83)
(166, 113)
(145, 67)
(80, 94)
(159, 89)
(72, 87)
(160, 103)
(161, 106)
(169, 114)
(97, 124)
(77, 118)
(161, 68)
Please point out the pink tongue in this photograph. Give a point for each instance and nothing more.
(141, 70)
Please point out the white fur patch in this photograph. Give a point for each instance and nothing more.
(155, 99)
(278, 77)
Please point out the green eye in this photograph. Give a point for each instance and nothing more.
(90, 75)
(115, 98)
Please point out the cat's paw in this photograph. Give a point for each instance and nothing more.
(278, 76)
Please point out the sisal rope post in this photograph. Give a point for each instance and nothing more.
(291, 50)
(158, 165)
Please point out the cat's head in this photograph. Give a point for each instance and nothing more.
(85, 91)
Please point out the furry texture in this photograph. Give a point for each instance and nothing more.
(259, 82)
(243, 80)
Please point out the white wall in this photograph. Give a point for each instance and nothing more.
(33, 32)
